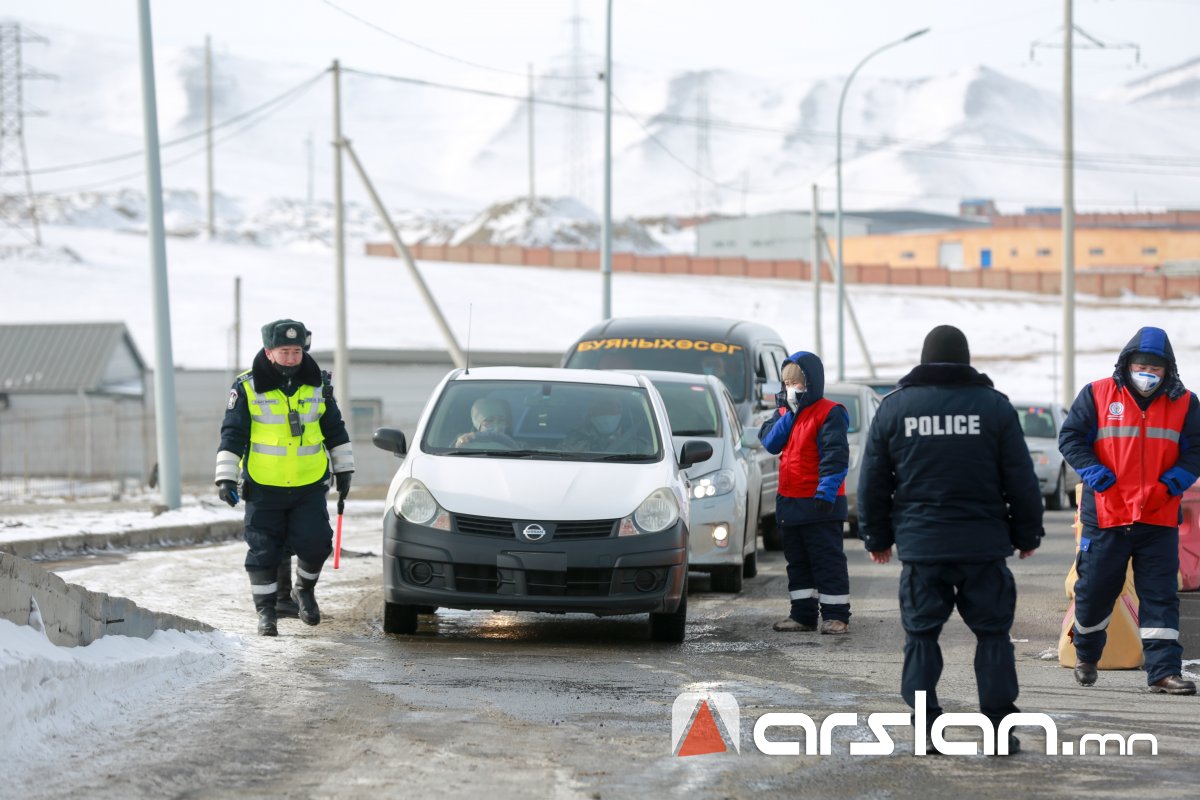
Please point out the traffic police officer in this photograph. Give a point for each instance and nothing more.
(947, 478)
(282, 435)
(1134, 439)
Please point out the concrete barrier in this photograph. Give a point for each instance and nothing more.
(87, 542)
(73, 615)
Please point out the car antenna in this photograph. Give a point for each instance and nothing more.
(467, 370)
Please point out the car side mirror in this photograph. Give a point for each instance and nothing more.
(693, 453)
(391, 440)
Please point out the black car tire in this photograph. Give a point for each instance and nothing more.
(750, 565)
(1058, 500)
(399, 618)
(727, 579)
(671, 627)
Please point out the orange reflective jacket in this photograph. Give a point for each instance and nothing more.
(1138, 446)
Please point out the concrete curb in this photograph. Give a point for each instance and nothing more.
(69, 545)
(74, 616)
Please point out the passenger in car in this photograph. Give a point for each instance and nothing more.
(606, 430)
(492, 421)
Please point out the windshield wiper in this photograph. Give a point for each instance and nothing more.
(626, 457)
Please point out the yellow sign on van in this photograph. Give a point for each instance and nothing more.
(703, 345)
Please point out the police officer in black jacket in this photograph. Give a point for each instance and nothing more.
(947, 478)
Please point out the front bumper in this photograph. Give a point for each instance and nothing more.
(705, 515)
(497, 571)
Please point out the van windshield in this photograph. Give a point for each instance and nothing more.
(543, 420)
(725, 360)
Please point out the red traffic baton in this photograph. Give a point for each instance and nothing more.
(337, 541)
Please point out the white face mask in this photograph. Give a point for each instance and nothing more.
(792, 393)
(1145, 382)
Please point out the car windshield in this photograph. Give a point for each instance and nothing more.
(850, 401)
(699, 356)
(544, 420)
(1037, 421)
(691, 407)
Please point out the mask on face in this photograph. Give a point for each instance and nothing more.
(287, 372)
(1145, 382)
(606, 423)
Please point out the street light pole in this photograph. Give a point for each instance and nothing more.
(606, 232)
(841, 283)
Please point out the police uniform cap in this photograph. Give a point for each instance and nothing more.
(284, 333)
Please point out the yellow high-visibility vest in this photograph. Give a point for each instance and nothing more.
(276, 457)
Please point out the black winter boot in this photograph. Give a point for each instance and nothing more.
(303, 594)
(262, 585)
(285, 606)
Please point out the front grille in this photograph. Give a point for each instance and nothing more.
(590, 529)
(506, 528)
(484, 526)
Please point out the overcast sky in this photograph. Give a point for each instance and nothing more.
(760, 37)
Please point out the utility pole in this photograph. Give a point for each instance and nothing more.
(237, 326)
(816, 270)
(19, 226)
(341, 354)
(1068, 209)
(308, 145)
(208, 130)
(606, 232)
(532, 190)
(1067, 215)
(164, 363)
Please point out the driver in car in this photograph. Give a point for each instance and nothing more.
(492, 422)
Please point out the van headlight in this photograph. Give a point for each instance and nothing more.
(657, 512)
(713, 484)
(415, 504)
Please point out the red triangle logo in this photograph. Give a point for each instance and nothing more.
(704, 736)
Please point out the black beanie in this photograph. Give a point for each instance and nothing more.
(945, 344)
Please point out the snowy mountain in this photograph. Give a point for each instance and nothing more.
(700, 142)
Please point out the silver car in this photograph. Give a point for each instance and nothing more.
(1041, 423)
(725, 490)
(861, 402)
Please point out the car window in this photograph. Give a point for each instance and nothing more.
(543, 420)
(735, 428)
(726, 360)
(1037, 421)
(850, 401)
(691, 407)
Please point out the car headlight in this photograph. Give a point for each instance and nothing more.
(415, 503)
(1039, 457)
(657, 512)
(714, 483)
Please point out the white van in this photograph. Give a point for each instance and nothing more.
(535, 489)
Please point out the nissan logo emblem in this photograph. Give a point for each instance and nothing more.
(533, 532)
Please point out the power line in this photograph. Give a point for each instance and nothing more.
(439, 53)
(278, 99)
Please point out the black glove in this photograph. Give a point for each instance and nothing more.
(342, 479)
(781, 399)
(822, 506)
(227, 491)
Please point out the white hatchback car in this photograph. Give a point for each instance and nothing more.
(726, 488)
(531, 489)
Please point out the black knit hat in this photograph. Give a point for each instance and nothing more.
(945, 344)
(285, 332)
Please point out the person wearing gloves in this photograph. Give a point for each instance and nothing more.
(1134, 439)
(808, 432)
(946, 478)
(282, 436)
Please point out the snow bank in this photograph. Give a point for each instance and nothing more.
(62, 695)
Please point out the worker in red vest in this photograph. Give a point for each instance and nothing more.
(808, 432)
(1134, 439)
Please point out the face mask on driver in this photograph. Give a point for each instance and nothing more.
(1145, 382)
(606, 423)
